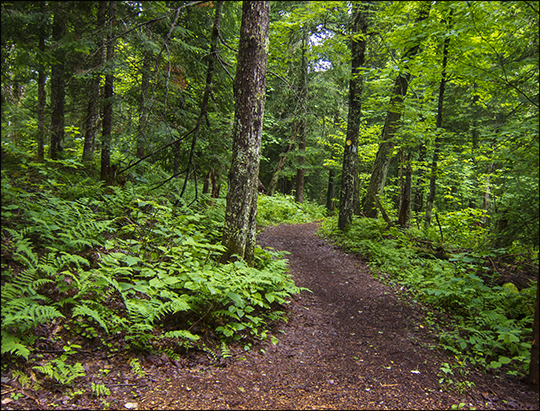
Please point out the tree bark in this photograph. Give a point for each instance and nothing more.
(331, 192)
(438, 123)
(106, 174)
(58, 82)
(404, 216)
(91, 122)
(42, 95)
(143, 104)
(300, 171)
(391, 124)
(206, 95)
(249, 89)
(282, 160)
(349, 175)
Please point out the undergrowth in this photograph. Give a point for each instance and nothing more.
(490, 323)
(283, 209)
(122, 267)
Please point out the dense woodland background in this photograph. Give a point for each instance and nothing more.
(410, 127)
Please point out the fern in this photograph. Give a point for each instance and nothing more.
(11, 344)
(31, 316)
(58, 370)
(184, 334)
(100, 390)
(84, 310)
(225, 351)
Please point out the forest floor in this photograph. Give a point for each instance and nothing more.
(352, 343)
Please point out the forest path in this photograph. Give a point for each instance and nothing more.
(351, 344)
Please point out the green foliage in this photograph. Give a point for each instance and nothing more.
(491, 324)
(58, 370)
(283, 209)
(100, 390)
(131, 265)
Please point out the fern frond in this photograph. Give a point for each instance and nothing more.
(225, 351)
(11, 344)
(184, 334)
(84, 310)
(46, 369)
(31, 316)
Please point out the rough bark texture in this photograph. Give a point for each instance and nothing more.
(249, 88)
(349, 175)
(108, 109)
(391, 124)
(58, 82)
(300, 172)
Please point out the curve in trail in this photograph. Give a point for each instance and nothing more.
(350, 344)
(358, 337)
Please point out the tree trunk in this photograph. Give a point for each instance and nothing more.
(206, 94)
(42, 95)
(404, 217)
(433, 176)
(418, 202)
(143, 105)
(349, 176)
(249, 90)
(282, 160)
(106, 174)
(58, 82)
(391, 124)
(331, 193)
(300, 172)
(92, 115)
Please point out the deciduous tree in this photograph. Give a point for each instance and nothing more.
(249, 87)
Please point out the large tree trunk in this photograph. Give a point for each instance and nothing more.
(300, 172)
(249, 89)
(391, 124)
(58, 82)
(42, 95)
(106, 174)
(92, 115)
(349, 177)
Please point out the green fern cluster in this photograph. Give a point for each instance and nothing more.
(23, 307)
(120, 262)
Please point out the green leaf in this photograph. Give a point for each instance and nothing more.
(504, 360)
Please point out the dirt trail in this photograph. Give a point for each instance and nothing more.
(351, 344)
